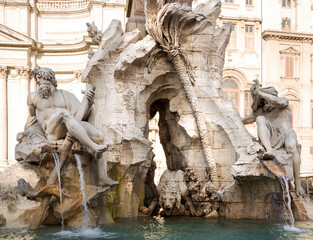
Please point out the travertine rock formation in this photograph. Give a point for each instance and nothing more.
(135, 78)
(176, 70)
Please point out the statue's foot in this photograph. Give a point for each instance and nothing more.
(100, 150)
(144, 210)
(106, 182)
(269, 154)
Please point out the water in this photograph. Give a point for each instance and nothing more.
(82, 188)
(57, 165)
(172, 228)
(287, 199)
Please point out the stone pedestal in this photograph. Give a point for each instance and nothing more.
(3, 117)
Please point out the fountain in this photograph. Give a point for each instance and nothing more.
(57, 166)
(214, 166)
(82, 188)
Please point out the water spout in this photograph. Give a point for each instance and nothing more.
(286, 196)
(57, 166)
(82, 188)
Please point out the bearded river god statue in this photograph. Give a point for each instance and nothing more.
(58, 120)
(273, 117)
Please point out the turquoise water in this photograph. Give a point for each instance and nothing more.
(171, 228)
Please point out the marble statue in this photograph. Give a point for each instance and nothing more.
(177, 71)
(55, 111)
(174, 199)
(273, 118)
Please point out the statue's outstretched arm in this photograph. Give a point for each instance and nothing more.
(277, 101)
(249, 119)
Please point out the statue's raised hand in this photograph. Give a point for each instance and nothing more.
(90, 96)
(256, 86)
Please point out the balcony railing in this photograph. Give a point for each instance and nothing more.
(70, 5)
(62, 5)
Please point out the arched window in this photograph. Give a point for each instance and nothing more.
(232, 91)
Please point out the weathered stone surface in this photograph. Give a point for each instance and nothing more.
(213, 214)
(212, 161)
(3, 220)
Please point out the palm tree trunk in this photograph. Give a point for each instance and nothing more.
(193, 99)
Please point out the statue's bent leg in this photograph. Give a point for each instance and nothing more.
(291, 147)
(94, 133)
(264, 134)
(97, 136)
(75, 128)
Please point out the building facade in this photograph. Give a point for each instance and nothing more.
(272, 41)
(287, 64)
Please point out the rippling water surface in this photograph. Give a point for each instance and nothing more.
(171, 228)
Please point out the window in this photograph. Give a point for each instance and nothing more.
(289, 66)
(232, 41)
(249, 38)
(229, 1)
(231, 91)
(286, 24)
(249, 2)
(286, 3)
(247, 105)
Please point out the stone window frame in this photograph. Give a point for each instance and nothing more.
(286, 20)
(249, 37)
(233, 37)
(243, 84)
(233, 90)
(285, 54)
(247, 103)
(286, 2)
(249, 2)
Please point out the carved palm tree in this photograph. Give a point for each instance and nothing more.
(165, 20)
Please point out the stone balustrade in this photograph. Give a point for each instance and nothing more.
(62, 5)
(65, 5)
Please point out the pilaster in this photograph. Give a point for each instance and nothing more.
(3, 117)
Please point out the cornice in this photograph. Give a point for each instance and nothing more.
(66, 48)
(238, 19)
(15, 3)
(289, 36)
(51, 48)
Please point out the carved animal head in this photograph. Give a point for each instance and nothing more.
(170, 199)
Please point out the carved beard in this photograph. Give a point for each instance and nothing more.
(45, 90)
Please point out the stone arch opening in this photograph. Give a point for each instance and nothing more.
(169, 132)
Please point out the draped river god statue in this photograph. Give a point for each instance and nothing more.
(273, 117)
(55, 111)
